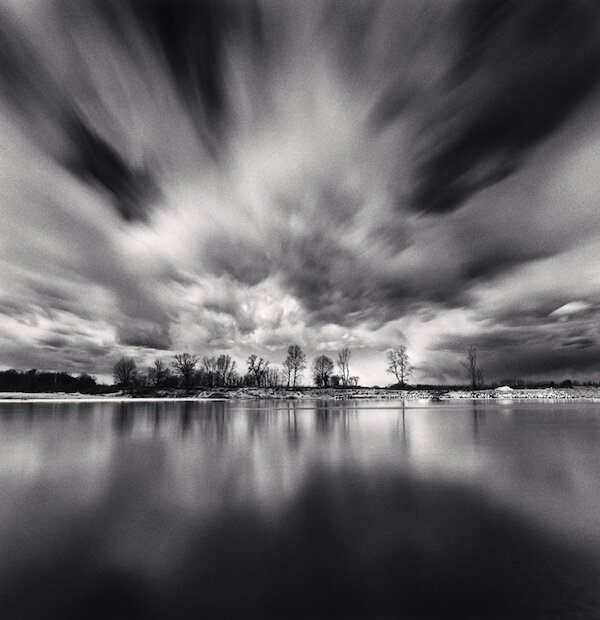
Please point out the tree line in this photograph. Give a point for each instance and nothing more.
(189, 370)
(186, 370)
(40, 381)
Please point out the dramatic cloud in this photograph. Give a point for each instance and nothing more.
(95, 161)
(219, 175)
(520, 69)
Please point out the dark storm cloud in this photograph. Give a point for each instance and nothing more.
(52, 116)
(195, 36)
(348, 284)
(57, 295)
(319, 264)
(95, 161)
(520, 69)
(578, 342)
(10, 307)
(54, 342)
(148, 336)
(237, 257)
(79, 354)
(542, 350)
(232, 306)
(518, 314)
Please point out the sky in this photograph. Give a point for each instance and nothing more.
(234, 177)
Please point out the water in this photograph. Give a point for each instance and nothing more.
(300, 509)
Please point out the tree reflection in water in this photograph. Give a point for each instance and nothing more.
(478, 419)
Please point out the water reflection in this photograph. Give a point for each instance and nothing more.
(123, 419)
(293, 432)
(478, 419)
(322, 415)
(334, 418)
(401, 433)
(299, 509)
(157, 415)
(212, 421)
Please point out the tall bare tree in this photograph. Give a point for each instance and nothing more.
(399, 364)
(472, 367)
(288, 371)
(257, 368)
(295, 363)
(273, 377)
(343, 361)
(125, 371)
(209, 367)
(224, 368)
(480, 378)
(158, 373)
(185, 366)
(322, 370)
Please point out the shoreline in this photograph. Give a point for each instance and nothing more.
(591, 394)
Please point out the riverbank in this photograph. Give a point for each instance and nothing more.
(550, 393)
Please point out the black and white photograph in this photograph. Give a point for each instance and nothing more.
(300, 309)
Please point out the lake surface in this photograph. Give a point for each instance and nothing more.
(366, 509)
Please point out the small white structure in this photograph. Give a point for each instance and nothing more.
(504, 389)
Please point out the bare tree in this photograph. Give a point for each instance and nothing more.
(343, 361)
(125, 371)
(141, 381)
(288, 370)
(158, 373)
(480, 379)
(185, 366)
(257, 368)
(472, 367)
(295, 363)
(273, 377)
(322, 370)
(399, 364)
(209, 366)
(224, 368)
